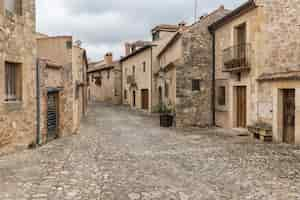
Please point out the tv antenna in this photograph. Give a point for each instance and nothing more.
(195, 10)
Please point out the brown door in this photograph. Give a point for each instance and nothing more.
(289, 116)
(241, 103)
(145, 99)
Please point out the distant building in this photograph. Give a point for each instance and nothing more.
(105, 80)
(139, 67)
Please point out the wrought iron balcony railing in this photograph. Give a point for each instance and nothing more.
(237, 58)
(130, 79)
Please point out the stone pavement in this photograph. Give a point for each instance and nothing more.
(123, 155)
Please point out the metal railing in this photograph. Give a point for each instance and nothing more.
(130, 79)
(237, 57)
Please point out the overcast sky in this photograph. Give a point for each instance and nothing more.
(104, 25)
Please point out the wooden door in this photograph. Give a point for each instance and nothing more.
(145, 99)
(241, 106)
(133, 99)
(289, 116)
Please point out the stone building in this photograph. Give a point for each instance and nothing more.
(105, 80)
(17, 70)
(62, 92)
(257, 62)
(139, 67)
(185, 79)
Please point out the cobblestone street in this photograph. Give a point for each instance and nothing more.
(122, 155)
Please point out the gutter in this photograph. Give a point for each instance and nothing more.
(213, 106)
(122, 78)
(38, 104)
(151, 62)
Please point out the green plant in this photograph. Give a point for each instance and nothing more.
(163, 109)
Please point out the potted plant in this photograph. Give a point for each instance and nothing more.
(166, 117)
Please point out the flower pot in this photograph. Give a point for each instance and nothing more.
(166, 120)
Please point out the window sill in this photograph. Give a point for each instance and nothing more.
(12, 102)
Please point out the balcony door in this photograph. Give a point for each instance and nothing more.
(241, 41)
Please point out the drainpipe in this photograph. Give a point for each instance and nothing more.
(213, 106)
(38, 104)
(122, 78)
(151, 54)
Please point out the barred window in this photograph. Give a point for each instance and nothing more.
(196, 85)
(13, 82)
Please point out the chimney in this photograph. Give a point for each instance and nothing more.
(182, 26)
(127, 48)
(108, 58)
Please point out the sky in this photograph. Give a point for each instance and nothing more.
(105, 25)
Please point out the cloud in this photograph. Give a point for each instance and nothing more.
(104, 25)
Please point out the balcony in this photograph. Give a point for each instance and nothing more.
(237, 58)
(131, 81)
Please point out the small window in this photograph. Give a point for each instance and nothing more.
(69, 44)
(196, 85)
(222, 96)
(13, 6)
(166, 90)
(108, 74)
(13, 82)
(133, 71)
(155, 36)
(125, 94)
(144, 66)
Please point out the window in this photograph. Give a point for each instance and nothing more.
(13, 82)
(69, 44)
(166, 90)
(13, 6)
(125, 94)
(144, 66)
(196, 85)
(221, 95)
(133, 71)
(155, 36)
(108, 74)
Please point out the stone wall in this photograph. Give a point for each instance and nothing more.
(18, 45)
(281, 44)
(194, 108)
